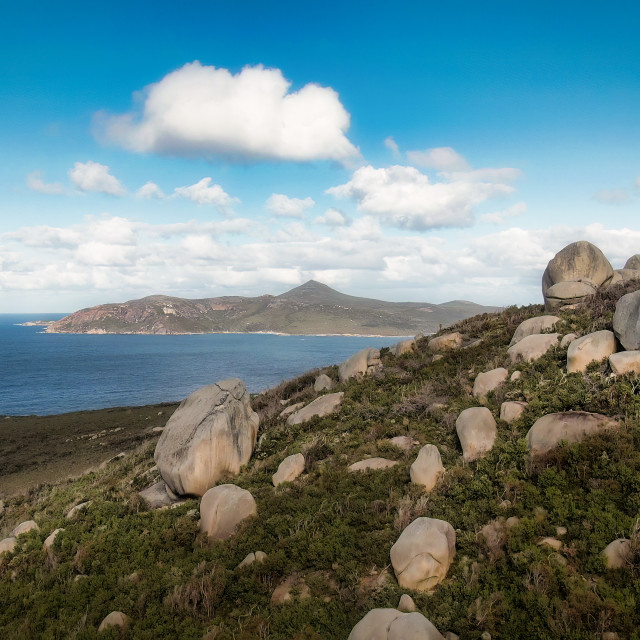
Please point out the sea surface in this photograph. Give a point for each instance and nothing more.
(46, 373)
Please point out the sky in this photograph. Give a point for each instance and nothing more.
(414, 151)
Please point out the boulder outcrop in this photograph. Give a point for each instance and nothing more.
(572, 426)
(320, 407)
(290, 468)
(532, 326)
(477, 432)
(360, 364)
(532, 347)
(212, 433)
(423, 554)
(391, 624)
(625, 362)
(156, 496)
(626, 321)
(489, 381)
(427, 467)
(446, 341)
(223, 508)
(590, 348)
(51, 538)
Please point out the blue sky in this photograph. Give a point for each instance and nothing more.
(407, 152)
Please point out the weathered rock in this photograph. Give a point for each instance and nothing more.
(566, 294)
(404, 346)
(516, 375)
(79, 508)
(391, 624)
(572, 426)
(156, 496)
(212, 433)
(289, 410)
(114, 619)
(427, 467)
(633, 262)
(284, 591)
(423, 553)
(511, 411)
(626, 321)
(533, 326)
(8, 545)
(359, 364)
(51, 538)
(290, 468)
(404, 442)
(488, 381)
(554, 543)
(568, 339)
(626, 275)
(616, 553)
(406, 604)
(446, 341)
(320, 407)
(580, 261)
(477, 432)
(590, 348)
(323, 383)
(372, 464)
(258, 556)
(532, 347)
(24, 527)
(625, 362)
(223, 508)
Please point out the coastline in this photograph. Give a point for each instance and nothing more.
(235, 333)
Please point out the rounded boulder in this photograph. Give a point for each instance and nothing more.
(590, 348)
(223, 508)
(626, 321)
(477, 432)
(532, 326)
(391, 624)
(489, 381)
(360, 364)
(290, 468)
(427, 467)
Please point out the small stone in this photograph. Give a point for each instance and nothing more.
(8, 545)
(568, 339)
(625, 362)
(516, 375)
(561, 531)
(511, 411)
(554, 543)
(323, 383)
(427, 467)
(223, 508)
(616, 553)
(407, 605)
(505, 504)
(512, 522)
(250, 558)
(291, 409)
(404, 442)
(489, 381)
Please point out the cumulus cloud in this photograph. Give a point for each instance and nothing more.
(93, 176)
(203, 192)
(205, 111)
(438, 158)
(150, 191)
(612, 196)
(35, 182)
(498, 217)
(406, 198)
(391, 144)
(332, 218)
(287, 207)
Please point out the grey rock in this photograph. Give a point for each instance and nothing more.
(633, 262)
(114, 619)
(372, 464)
(391, 624)
(532, 347)
(565, 294)
(590, 348)
(290, 468)
(24, 527)
(8, 545)
(402, 347)
(477, 432)
(51, 538)
(427, 467)
(320, 407)
(616, 554)
(512, 410)
(156, 496)
(532, 326)
(446, 341)
(292, 409)
(489, 381)
(568, 339)
(323, 383)
(625, 362)
(406, 604)
(360, 364)
(626, 321)
(223, 508)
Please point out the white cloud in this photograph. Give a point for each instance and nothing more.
(406, 198)
(203, 192)
(612, 196)
(35, 182)
(206, 111)
(287, 207)
(332, 218)
(150, 191)
(438, 158)
(498, 217)
(93, 176)
(391, 144)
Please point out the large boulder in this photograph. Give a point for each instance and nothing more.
(532, 326)
(290, 468)
(359, 364)
(617, 554)
(477, 431)
(427, 467)
(625, 362)
(24, 527)
(391, 624)
(323, 383)
(489, 381)
(446, 341)
(633, 262)
(423, 554)
(566, 294)
(626, 321)
(223, 508)
(579, 262)
(590, 348)
(114, 619)
(212, 433)
(625, 275)
(572, 426)
(404, 346)
(532, 347)
(320, 407)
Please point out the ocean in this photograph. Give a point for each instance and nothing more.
(43, 374)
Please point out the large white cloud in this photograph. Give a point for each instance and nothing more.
(287, 207)
(93, 176)
(203, 192)
(405, 197)
(201, 110)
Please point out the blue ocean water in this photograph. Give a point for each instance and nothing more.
(43, 374)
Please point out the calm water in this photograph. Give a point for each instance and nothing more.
(44, 373)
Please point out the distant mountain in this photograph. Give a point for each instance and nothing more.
(312, 308)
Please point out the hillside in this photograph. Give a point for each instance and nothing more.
(330, 531)
(312, 308)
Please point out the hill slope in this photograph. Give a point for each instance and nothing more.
(312, 308)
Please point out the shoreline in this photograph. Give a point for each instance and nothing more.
(235, 333)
